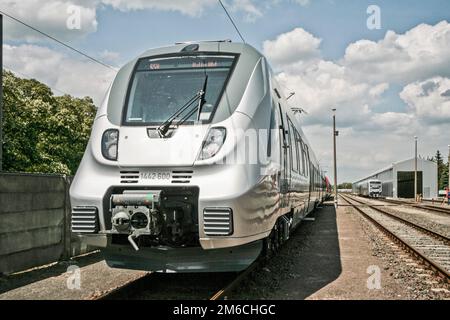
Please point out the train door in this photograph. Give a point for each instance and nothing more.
(284, 170)
(304, 173)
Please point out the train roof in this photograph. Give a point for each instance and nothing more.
(223, 46)
(390, 167)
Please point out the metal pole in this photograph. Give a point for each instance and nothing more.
(1, 93)
(335, 133)
(415, 168)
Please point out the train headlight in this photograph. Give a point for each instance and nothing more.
(110, 142)
(213, 142)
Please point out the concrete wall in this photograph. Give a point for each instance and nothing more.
(34, 221)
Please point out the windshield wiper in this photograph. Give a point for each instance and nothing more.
(202, 98)
(164, 128)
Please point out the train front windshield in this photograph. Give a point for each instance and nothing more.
(161, 86)
(375, 184)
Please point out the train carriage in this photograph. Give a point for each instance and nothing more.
(195, 163)
(368, 188)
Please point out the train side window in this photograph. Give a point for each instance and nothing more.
(315, 178)
(272, 126)
(313, 174)
(290, 142)
(298, 150)
(301, 161)
(307, 161)
(282, 123)
(293, 146)
(304, 159)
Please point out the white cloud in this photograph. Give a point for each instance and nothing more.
(294, 47)
(252, 12)
(320, 85)
(429, 99)
(420, 53)
(379, 89)
(323, 86)
(394, 122)
(49, 16)
(303, 3)
(62, 72)
(109, 56)
(190, 8)
(370, 139)
(194, 8)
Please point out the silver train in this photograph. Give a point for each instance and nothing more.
(368, 188)
(169, 181)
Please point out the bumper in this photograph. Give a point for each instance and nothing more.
(166, 259)
(94, 240)
(183, 260)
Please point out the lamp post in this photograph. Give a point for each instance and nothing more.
(415, 168)
(1, 93)
(335, 134)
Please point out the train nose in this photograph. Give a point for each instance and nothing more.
(137, 148)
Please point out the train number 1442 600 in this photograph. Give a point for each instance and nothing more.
(155, 175)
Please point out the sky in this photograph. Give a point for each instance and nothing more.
(388, 78)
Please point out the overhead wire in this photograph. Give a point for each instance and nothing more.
(232, 21)
(58, 41)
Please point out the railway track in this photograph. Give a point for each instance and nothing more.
(431, 247)
(222, 293)
(407, 221)
(204, 287)
(177, 286)
(428, 207)
(209, 283)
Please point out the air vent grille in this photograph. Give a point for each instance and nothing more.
(178, 176)
(129, 176)
(84, 220)
(182, 176)
(218, 221)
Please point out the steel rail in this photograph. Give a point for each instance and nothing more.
(418, 206)
(435, 234)
(222, 293)
(417, 253)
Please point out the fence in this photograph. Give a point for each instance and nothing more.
(35, 221)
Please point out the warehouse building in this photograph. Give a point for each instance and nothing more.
(398, 179)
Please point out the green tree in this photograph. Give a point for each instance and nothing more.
(440, 165)
(443, 182)
(42, 132)
(442, 170)
(345, 185)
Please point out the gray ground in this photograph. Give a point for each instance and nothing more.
(328, 258)
(55, 282)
